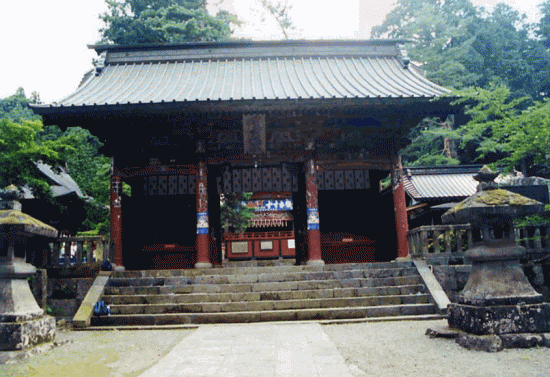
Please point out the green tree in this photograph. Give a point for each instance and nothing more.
(236, 216)
(543, 27)
(460, 45)
(90, 170)
(133, 22)
(430, 144)
(16, 107)
(19, 151)
(517, 129)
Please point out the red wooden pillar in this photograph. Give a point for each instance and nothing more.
(312, 205)
(203, 244)
(116, 216)
(400, 207)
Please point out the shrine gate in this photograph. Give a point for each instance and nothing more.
(318, 122)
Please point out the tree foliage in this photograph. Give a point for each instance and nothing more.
(24, 140)
(498, 64)
(133, 22)
(19, 151)
(543, 28)
(460, 45)
(501, 122)
(88, 168)
(235, 215)
(16, 107)
(430, 144)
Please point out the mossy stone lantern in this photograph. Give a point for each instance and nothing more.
(22, 322)
(498, 298)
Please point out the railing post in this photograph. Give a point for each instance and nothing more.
(89, 251)
(536, 238)
(78, 252)
(67, 253)
(459, 241)
(436, 235)
(447, 236)
(412, 249)
(56, 253)
(424, 240)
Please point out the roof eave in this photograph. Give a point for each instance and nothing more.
(323, 105)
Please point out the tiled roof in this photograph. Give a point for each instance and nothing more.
(60, 181)
(291, 70)
(444, 182)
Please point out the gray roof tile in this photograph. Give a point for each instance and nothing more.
(262, 71)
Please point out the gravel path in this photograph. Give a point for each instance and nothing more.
(403, 349)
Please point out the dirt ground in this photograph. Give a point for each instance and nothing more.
(403, 349)
(370, 349)
(100, 353)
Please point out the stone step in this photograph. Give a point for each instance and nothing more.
(264, 316)
(259, 269)
(284, 286)
(266, 305)
(188, 290)
(263, 277)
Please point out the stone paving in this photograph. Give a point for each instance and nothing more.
(277, 350)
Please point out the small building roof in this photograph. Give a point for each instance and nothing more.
(249, 71)
(61, 182)
(440, 182)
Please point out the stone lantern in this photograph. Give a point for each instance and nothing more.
(498, 298)
(22, 322)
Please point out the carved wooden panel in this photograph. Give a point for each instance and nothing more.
(169, 185)
(192, 185)
(320, 180)
(153, 185)
(286, 180)
(261, 179)
(256, 180)
(237, 181)
(276, 179)
(266, 180)
(247, 180)
(343, 180)
(172, 185)
(182, 184)
(339, 180)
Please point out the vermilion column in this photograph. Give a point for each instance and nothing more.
(116, 216)
(400, 207)
(312, 205)
(203, 245)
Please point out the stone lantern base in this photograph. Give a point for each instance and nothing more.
(22, 323)
(500, 319)
(23, 335)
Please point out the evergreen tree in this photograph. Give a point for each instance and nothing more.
(16, 107)
(460, 45)
(131, 22)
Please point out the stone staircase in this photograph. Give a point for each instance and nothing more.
(256, 294)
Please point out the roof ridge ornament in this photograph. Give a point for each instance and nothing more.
(404, 55)
(99, 63)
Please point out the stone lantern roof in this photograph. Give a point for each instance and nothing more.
(491, 203)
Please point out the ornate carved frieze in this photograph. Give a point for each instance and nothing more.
(169, 185)
(259, 179)
(343, 179)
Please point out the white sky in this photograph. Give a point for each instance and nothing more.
(43, 44)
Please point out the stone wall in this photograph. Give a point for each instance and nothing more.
(59, 297)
